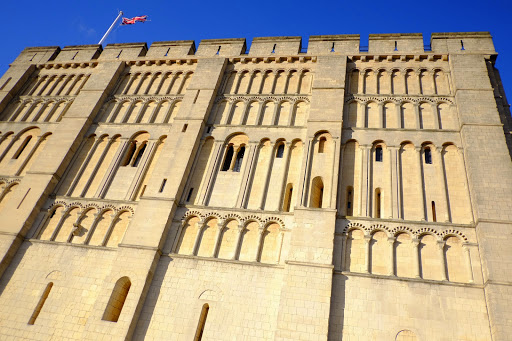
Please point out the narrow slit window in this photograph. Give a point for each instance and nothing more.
(377, 203)
(239, 159)
(274, 48)
(218, 51)
(332, 48)
(378, 154)
(434, 217)
(167, 52)
(396, 46)
(321, 145)
(227, 159)
(202, 323)
(185, 126)
(40, 304)
(288, 198)
(74, 56)
(139, 155)
(164, 181)
(462, 45)
(22, 147)
(280, 151)
(190, 194)
(119, 55)
(350, 199)
(428, 156)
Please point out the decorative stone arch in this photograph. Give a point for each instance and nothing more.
(402, 229)
(379, 227)
(427, 231)
(55, 275)
(355, 225)
(454, 233)
(232, 216)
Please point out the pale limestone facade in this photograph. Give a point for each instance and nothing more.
(337, 192)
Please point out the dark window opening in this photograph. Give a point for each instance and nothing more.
(239, 159)
(202, 323)
(190, 194)
(396, 46)
(185, 126)
(129, 153)
(164, 181)
(378, 154)
(462, 45)
(227, 160)
(167, 52)
(139, 155)
(40, 304)
(332, 48)
(218, 50)
(349, 202)
(434, 217)
(274, 48)
(428, 156)
(321, 144)
(280, 151)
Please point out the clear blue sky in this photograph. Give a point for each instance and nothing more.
(32, 23)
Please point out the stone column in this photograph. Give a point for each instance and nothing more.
(360, 85)
(399, 116)
(367, 240)
(238, 241)
(436, 116)
(381, 115)
(268, 173)
(344, 253)
(199, 226)
(361, 116)
(211, 173)
(284, 174)
(364, 178)
(220, 227)
(419, 179)
(465, 248)
(415, 243)
(417, 115)
(391, 241)
(393, 197)
(247, 168)
(440, 247)
(261, 230)
(438, 152)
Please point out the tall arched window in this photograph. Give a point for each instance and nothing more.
(321, 144)
(129, 153)
(117, 299)
(40, 304)
(428, 156)
(350, 201)
(239, 159)
(378, 154)
(288, 198)
(202, 322)
(280, 151)
(22, 147)
(227, 159)
(317, 192)
(139, 155)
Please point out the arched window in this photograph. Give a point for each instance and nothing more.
(378, 154)
(40, 304)
(239, 159)
(288, 198)
(22, 147)
(317, 192)
(139, 155)
(227, 159)
(129, 153)
(116, 301)
(428, 156)
(377, 203)
(350, 200)
(280, 151)
(202, 322)
(321, 144)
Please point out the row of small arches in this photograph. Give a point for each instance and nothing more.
(395, 81)
(268, 82)
(404, 115)
(140, 111)
(87, 226)
(264, 113)
(18, 151)
(422, 255)
(156, 83)
(37, 111)
(250, 241)
(55, 85)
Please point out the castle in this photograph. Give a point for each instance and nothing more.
(338, 192)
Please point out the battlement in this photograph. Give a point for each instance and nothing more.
(345, 44)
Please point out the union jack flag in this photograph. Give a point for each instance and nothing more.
(131, 21)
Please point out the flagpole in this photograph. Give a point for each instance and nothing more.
(110, 28)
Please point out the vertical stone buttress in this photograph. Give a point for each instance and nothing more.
(489, 170)
(306, 292)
